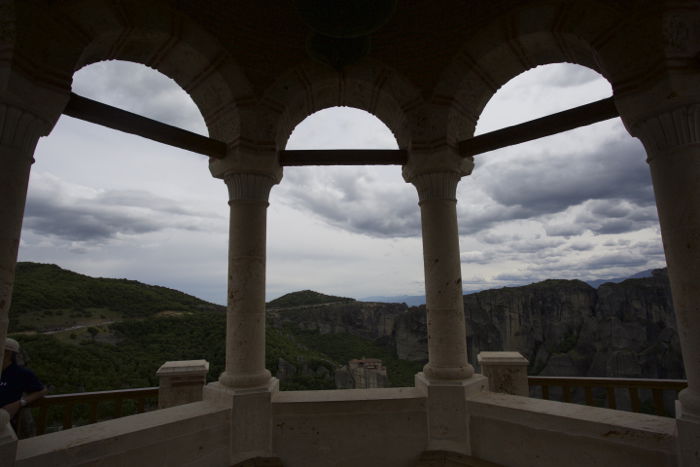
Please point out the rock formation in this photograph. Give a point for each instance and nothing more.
(563, 327)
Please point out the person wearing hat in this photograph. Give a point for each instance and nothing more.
(19, 386)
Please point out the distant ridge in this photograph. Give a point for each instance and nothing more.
(640, 275)
(416, 300)
(305, 297)
(410, 300)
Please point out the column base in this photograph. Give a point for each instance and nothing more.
(506, 371)
(436, 373)
(448, 420)
(245, 381)
(251, 417)
(687, 433)
(8, 440)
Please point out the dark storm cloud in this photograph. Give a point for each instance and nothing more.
(88, 217)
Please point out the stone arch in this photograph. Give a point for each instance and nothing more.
(311, 87)
(142, 32)
(535, 34)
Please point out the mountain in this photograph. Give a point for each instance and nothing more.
(306, 298)
(564, 327)
(642, 274)
(47, 297)
(417, 300)
(410, 300)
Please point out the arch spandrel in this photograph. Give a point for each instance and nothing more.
(671, 79)
(369, 86)
(535, 34)
(155, 35)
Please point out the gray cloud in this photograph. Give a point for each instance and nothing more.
(478, 257)
(142, 90)
(73, 214)
(354, 200)
(581, 246)
(615, 260)
(555, 182)
(565, 77)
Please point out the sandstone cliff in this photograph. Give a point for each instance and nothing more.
(563, 327)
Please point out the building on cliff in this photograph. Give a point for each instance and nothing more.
(364, 373)
(426, 69)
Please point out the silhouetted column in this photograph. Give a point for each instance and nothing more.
(447, 346)
(245, 317)
(672, 142)
(19, 133)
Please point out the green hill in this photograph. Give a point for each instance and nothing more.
(305, 298)
(89, 334)
(47, 297)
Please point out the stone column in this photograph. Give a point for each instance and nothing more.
(672, 142)
(20, 131)
(246, 386)
(19, 134)
(245, 318)
(447, 379)
(447, 344)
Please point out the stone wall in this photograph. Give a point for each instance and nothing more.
(372, 428)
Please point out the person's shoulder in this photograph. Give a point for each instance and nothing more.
(24, 371)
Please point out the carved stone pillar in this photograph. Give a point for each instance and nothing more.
(245, 322)
(672, 142)
(447, 345)
(447, 379)
(246, 386)
(19, 133)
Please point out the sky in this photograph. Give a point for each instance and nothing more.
(578, 205)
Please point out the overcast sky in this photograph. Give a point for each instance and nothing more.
(575, 205)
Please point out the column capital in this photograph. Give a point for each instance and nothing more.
(248, 187)
(669, 130)
(436, 185)
(21, 129)
(445, 159)
(247, 160)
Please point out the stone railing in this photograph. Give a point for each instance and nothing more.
(605, 392)
(507, 373)
(111, 402)
(180, 382)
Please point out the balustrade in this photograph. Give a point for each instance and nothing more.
(568, 385)
(143, 398)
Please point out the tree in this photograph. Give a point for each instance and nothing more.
(93, 332)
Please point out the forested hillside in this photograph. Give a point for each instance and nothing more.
(86, 334)
(91, 334)
(47, 297)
